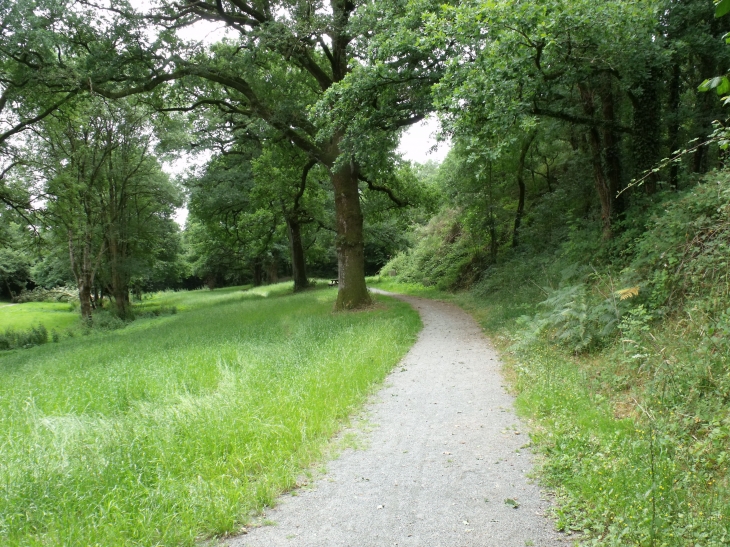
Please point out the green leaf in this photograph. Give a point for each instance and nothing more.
(710, 83)
(723, 7)
(724, 87)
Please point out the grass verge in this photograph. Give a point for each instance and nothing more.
(180, 427)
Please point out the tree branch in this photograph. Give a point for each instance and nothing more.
(377, 188)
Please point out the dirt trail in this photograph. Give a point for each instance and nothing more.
(444, 455)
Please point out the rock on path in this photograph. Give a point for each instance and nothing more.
(445, 454)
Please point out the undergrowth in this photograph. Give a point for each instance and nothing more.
(12, 339)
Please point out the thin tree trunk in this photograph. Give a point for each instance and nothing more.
(298, 263)
(272, 272)
(612, 144)
(119, 287)
(674, 95)
(85, 279)
(599, 177)
(521, 184)
(258, 273)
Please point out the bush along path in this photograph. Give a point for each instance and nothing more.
(446, 463)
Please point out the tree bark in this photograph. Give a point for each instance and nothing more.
(272, 272)
(298, 263)
(612, 145)
(83, 273)
(258, 273)
(353, 292)
(521, 184)
(599, 176)
(673, 130)
(120, 288)
(646, 140)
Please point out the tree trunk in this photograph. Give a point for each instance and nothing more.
(599, 179)
(521, 184)
(298, 263)
(272, 272)
(83, 272)
(612, 144)
(353, 292)
(646, 141)
(674, 96)
(85, 297)
(121, 301)
(120, 290)
(258, 273)
(599, 176)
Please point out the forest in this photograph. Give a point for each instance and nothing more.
(582, 213)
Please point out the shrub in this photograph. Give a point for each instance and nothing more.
(56, 294)
(444, 256)
(106, 321)
(12, 339)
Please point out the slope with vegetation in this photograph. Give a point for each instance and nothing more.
(585, 220)
(619, 353)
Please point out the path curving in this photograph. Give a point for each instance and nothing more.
(444, 455)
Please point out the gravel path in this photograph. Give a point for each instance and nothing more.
(442, 466)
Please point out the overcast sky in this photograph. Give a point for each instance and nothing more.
(417, 144)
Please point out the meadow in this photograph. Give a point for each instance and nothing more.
(52, 315)
(181, 427)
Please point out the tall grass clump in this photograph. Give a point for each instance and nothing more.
(12, 339)
(178, 427)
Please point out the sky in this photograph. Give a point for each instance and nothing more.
(417, 144)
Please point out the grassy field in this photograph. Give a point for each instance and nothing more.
(52, 315)
(177, 428)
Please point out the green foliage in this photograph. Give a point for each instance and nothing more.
(443, 256)
(576, 319)
(15, 257)
(684, 255)
(12, 339)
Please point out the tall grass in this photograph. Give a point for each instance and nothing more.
(177, 428)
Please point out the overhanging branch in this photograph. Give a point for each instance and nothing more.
(377, 188)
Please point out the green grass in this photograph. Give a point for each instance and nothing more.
(179, 427)
(190, 300)
(52, 315)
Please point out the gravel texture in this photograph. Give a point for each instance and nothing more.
(444, 465)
